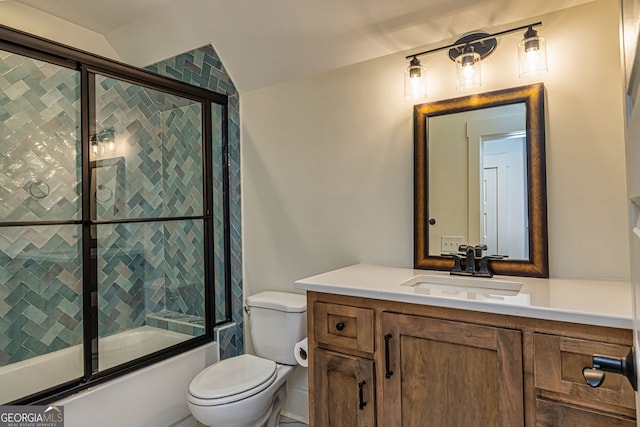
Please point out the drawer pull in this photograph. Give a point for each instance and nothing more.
(388, 374)
(362, 404)
(340, 326)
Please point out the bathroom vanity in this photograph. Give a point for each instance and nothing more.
(403, 347)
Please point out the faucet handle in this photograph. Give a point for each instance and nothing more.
(484, 265)
(457, 267)
(479, 249)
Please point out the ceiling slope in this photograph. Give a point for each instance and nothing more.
(263, 43)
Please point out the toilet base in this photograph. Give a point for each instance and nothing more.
(273, 418)
(236, 414)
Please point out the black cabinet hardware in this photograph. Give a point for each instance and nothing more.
(362, 404)
(386, 356)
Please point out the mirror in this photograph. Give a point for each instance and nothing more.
(480, 179)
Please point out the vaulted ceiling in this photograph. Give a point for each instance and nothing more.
(266, 42)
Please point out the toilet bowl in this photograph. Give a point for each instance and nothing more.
(248, 390)
(244, 391)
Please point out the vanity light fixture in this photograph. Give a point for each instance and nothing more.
(104, 144)
(532, 54)
(109, 142)
(96, 146)
(415, 80)
(468, 52)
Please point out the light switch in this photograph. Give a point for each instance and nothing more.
(450, 243)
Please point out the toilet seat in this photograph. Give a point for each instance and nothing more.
(231, 380)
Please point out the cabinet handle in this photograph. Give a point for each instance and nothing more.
(361, 385)
(386, 356)
(340, 326)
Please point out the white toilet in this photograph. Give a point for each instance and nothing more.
(247, 390)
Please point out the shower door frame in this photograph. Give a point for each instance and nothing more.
(88, 65)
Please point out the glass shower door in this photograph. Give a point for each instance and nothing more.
(148, 227)
(41, 317)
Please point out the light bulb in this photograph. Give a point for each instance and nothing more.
(415, 82)
(468, 69)
(532, 54)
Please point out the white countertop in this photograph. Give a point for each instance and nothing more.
(591, 302)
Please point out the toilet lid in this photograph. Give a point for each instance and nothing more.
(233, 376)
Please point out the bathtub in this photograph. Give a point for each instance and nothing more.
(41, 372)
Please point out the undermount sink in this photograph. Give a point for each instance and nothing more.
(455, 284)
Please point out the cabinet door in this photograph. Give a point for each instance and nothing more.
(344, 390)
(443, 373)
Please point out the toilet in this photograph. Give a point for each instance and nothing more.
(248, 390)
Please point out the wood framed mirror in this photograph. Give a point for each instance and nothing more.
(480, 178)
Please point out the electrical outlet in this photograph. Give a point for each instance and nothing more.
(450, 243)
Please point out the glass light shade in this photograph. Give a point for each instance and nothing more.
(97, 149)
(110, 146)
(532, 56)
(415, 81)
(468, 70)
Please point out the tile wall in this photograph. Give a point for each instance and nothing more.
(202, 67)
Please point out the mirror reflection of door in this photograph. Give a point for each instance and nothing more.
(503, 220)
(497, 181)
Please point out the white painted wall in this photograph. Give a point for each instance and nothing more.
(25, 18)
(327, 160)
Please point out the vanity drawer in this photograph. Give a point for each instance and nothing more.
(344, 326)
(558, 368)
(553, 414)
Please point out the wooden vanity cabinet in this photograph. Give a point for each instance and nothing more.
(564, 398)
(344, 387)
(343, 380)
(448, 373)
(417, 365)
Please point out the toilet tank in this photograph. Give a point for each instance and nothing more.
(278, 320)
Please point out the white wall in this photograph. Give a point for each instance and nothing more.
(327, 160)
(25, 18)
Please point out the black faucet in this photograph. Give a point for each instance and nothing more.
(472, 254)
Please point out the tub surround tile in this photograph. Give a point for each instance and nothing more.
(227, 338)
(202, 67)
(177, 322)
(43, 262)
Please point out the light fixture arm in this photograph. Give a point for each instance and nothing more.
(459, 44)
